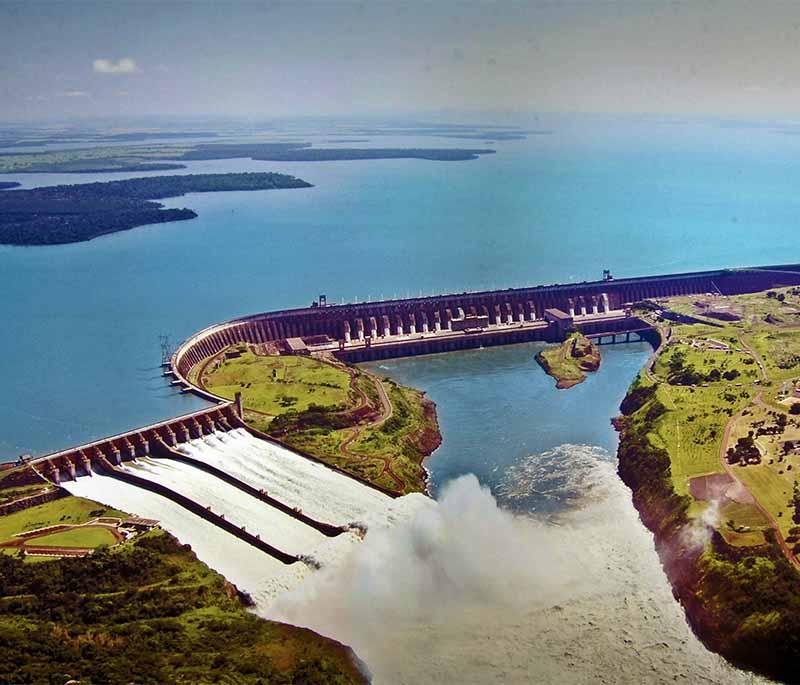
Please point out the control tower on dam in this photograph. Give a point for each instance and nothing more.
(392, 328)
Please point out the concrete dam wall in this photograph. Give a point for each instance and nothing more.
(378, 330)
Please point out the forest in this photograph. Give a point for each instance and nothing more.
(73, 213)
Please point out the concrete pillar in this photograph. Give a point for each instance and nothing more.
(571, 306)
(496, 312)
(346, 326)
(360, 329)
(373, 327)
(460, 312)
(520, 313)
(583, 306)
(53, 473)
(412, 323)
(448, 318)
(437, 321)
(424, 319)
(594, 304)
(531, 310)
(70, 468)
(182, 432)
(606, 305)
(398, 322)
(386, 330)
(115, 455)
(509, 314)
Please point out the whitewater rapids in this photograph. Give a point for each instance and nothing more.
(318, 491)
(455, 591)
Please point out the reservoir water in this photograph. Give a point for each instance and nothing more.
(80, 350)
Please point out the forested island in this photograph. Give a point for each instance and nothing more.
(171, 155)
(304, 152)
(74, 213)
(5, 185)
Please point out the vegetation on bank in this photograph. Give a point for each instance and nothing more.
(303, 152)
(73, 213)
(707, 435)
(370, 427)
(68, 510)
(148, 612)
(5, 185)
(169, 155)
(569, 362)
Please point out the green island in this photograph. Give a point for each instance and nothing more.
(74, 213)
(99, 159)
(570, 361)
(169, 155)
(710, 446)
(370, 427)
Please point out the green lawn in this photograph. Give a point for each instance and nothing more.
(86, 536)
(691, 430)
(64, 510)
(771, 489)
(275, 385)
(704, 360)
(780, 351)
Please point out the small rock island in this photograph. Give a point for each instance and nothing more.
(569, 362)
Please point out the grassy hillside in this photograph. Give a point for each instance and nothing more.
(148, 612)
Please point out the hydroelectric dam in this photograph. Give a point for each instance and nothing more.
(442, 323)
(242, 492)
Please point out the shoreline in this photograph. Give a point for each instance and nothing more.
(694, 555)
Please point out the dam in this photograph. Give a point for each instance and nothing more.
(370, 331)
(210, 473)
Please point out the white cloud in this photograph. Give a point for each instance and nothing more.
(123, 66)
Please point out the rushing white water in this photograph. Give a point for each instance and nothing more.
(246, 567)
(320, 492)
(272, 525)
(251, 570)
(469, 593)
(456, 591)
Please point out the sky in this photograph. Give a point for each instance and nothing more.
(379, 57)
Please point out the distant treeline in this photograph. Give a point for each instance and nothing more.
(73, 213)
(303, 152)
(5, 185)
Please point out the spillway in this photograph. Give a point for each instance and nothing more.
(259, 518)
(320, 492)
(246, 567)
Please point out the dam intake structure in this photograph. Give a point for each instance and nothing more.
(370, 331)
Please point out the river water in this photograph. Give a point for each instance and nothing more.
(572, 590)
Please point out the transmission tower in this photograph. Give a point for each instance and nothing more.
(166, 348)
